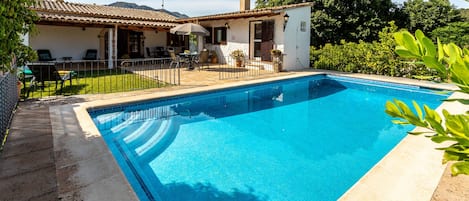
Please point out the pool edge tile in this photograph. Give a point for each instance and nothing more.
(75, 180)
(410, 171)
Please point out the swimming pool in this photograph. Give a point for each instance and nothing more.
(308, 138)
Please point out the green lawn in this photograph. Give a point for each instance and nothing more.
(94, 82)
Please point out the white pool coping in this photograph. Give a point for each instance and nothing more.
(411, 171)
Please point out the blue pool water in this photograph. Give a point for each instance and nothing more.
(309, 138)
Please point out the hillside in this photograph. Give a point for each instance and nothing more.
(143, 7)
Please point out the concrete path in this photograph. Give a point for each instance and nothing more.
(27, 164)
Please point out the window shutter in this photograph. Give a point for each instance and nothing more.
(267, 30)
(209, 39)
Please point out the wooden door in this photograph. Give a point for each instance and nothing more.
(267, 43)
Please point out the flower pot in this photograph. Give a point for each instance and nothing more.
(19, 84)
(277, 67)
(214, 60)
(277, 62)
(239, 63)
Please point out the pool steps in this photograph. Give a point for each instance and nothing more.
(141, 150)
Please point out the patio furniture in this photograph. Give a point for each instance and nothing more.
(160, 52)
(44, 55)
(174, 59)
(190, 58)
(150, 53)
(189, 28)
(91, 54)
(203, 59)
(43, 72)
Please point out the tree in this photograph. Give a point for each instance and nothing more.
(456, 32)
(451, 62)
(351, 20)
(464, 14)
(271, 3)
(16, 19)
(428, 15)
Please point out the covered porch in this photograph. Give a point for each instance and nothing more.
(69, 30)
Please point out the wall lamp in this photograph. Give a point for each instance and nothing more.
(285, 20)
(227, 26)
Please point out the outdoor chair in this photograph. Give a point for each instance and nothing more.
(43, 72)
(203, 59)
(175, 59)
(44, 55)
(150, 53)
(91, 54)
(160, 52)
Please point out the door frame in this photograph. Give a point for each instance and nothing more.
(252, 40)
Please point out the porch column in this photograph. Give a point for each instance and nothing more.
(110, 63)
(115, 42)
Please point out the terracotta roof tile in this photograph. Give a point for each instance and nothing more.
(247, 13)
(105, 21)
(74, 12)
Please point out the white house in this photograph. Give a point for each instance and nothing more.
(67, 30)
(257, 32)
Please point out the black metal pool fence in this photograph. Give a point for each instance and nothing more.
(72, 77)
(8, 101)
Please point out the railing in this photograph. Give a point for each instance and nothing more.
(8, 100)
(97, 76)
(234, 69)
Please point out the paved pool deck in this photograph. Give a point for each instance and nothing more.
(70, 160)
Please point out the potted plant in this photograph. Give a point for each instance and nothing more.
(125, 60)
(238, 55)
(214, 57)
(277, 59)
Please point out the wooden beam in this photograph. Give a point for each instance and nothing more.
(68, 24)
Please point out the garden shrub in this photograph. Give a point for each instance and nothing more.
(369, 58)
(456, 32)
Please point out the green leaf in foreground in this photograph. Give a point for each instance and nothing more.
(460, 168)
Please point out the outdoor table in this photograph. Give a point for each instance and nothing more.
(191, 57)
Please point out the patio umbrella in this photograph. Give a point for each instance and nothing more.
(189, 28)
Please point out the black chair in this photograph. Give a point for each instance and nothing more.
(43, 72)
(149, 53)
(91, 54)
(44, 55)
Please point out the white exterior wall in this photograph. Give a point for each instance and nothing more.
(293, 42)
(153, 39)
(65, 41)
(237, 37)
(296, 42)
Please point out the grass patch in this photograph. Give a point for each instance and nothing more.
(94, 82)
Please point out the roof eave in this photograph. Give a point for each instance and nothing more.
(271, 11)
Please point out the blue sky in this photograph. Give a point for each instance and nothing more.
(207, 7)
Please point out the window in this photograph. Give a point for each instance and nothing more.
(303, 26)
(175, 40)
(219, 35)
(258, 31)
